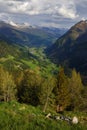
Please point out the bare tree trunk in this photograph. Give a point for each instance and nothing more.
(46, 104)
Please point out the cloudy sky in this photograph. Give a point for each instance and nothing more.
(56, 13)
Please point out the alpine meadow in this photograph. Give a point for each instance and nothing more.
(43, 65)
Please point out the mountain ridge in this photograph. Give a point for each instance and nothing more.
(71, 49)
(28, 35)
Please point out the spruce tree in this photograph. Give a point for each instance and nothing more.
(76, 87)
(61, 90)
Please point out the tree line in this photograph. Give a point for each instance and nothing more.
(59, 92)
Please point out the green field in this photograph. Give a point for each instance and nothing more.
(26, 58)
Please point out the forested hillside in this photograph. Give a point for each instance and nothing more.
(70, 50)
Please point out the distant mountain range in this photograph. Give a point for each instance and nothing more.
(21, 47)
(71, 49)
(24, 34)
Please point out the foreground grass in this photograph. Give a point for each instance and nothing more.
(15, 116)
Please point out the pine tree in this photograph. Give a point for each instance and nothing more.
(76, 87)
(61, 90)
(46, 92)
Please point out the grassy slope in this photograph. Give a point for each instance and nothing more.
(14, 57)
(15, 116)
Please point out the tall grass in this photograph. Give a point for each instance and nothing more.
(15, 116)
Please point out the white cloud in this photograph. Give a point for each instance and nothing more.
(67, 12)
(36, 7)
(43, 11)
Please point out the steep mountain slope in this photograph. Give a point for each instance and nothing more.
(71, 49)
(27, 35)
